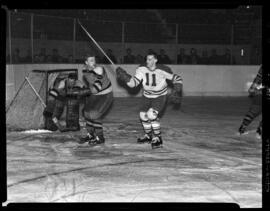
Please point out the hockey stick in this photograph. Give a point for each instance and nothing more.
(42, 102)
(97, 46)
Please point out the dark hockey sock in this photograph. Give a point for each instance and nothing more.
(98, 128)
(156, 127)
(253, 112)
(147, 127)
(90, 127)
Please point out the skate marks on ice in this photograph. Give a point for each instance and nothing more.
(199, 162)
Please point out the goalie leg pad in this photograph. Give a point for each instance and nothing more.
(72, 115)
(58, 109)
(48, 111)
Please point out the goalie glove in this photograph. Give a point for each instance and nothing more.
(122, 75)
(176, 95)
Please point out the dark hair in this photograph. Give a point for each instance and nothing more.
(89, 55)
(152, 54)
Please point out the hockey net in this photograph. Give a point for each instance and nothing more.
(25, 111)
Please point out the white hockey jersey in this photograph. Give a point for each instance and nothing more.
(154, 81)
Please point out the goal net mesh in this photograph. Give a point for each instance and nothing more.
(26, 110)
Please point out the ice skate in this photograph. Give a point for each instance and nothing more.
(145, 139)
(156, 142)
(84, 139)
(241, 131)
(259, 133)
(96, 140)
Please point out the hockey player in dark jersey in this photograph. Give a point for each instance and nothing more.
(154, 78)
(255, 109)
(58, 98)
(98, 99)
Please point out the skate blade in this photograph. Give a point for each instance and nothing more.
(157, 147)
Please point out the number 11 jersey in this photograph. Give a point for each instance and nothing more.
(154, 81)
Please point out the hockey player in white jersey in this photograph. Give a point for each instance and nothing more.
(153, 78)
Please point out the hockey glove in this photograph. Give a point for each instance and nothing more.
(122, 75)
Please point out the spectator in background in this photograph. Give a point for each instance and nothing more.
(36, 58)
(204, 58)
(28, 57)
(214, 58)
(129, 58)
(111, 56)
(42, 55)
(149, 51)
(193, 58)
(256, 57)
(98, 59)
(226, 57)
(139, 59)
(70, 59)
(49, 59)
(16, 58)
(182, 58)
(163, 58)
(56, 58)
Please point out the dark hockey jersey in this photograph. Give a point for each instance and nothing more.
(98, 79)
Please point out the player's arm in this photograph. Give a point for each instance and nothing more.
(254, 88)
(176, 80)
(131, 81)
(177, 91)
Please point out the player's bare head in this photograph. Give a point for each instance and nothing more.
(151, 60)
(90, 60)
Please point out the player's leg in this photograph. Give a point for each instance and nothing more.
(72, 114)
(254, 111)
(57, 112)
(89, 124)
(154, 114)
(146, 124)
(47, 113)
(101, 105)
(259, 131)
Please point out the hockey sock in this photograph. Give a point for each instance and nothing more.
(147, 127)
(98, 128)
(253, 112)
(156, 127)
(90, 127)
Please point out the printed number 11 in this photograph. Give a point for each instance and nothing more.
(153, 79)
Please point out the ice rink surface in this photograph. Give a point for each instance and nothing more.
(202, 160)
